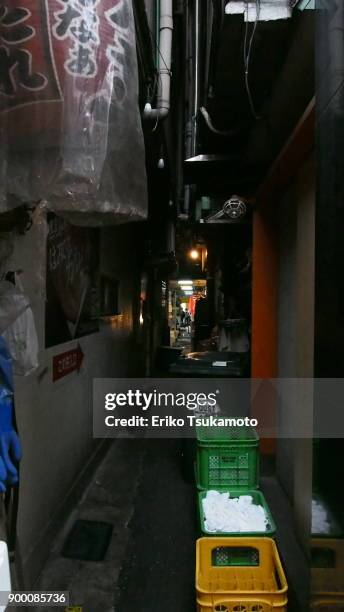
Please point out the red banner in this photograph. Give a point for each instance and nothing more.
(54, 51)
(67, 362)
(70, 122)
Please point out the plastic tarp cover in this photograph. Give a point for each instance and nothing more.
(266, 10)
(70, 126)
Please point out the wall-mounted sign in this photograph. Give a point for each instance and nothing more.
(72, 305)
(67, 362)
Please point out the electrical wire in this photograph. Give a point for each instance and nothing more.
(151, 92)
(156, 124)
(210, 125)
(247, 54)
(152, 89)
(156, 45)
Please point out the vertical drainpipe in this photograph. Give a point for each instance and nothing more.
(157, 34)
(196, 77)
(188, 153)
(164, 56)
(191, 127)
(188, 72)
(171, 237)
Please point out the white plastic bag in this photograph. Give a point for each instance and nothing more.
(17, 326)
(13, 303)
(22, 342)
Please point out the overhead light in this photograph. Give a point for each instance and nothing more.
(188, 292)
(185, 282)
(194, 254)
(187, 288)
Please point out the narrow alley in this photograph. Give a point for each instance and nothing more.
(171, 305)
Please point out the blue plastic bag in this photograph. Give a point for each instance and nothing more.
(10, 447)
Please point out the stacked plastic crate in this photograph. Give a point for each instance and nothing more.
(327, 558)
(235, 571)
(327, 574)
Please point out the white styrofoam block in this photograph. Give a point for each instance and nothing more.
(237, 515)
(320, 519)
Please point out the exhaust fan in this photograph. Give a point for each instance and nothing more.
(234, 209)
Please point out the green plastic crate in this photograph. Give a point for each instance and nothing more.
(257, 498)
(227, 458)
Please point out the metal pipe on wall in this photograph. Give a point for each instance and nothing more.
(192, 16)
(196, 55)
(171, 237)
(188, 98)
(165, 63)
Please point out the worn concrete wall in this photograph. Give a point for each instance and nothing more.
(55, 419)
(296, 330)
(305, 302)
(287, 339)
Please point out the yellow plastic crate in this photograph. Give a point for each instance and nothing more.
(239, 575)
(327, 575)
(327, 605)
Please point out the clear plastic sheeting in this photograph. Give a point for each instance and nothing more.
(70, 127)
(264, 10)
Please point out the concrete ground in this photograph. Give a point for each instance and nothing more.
(149, 566)
(293, 558)
(158, 572)
(139, 489)
(109, 497)
(184, 341)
